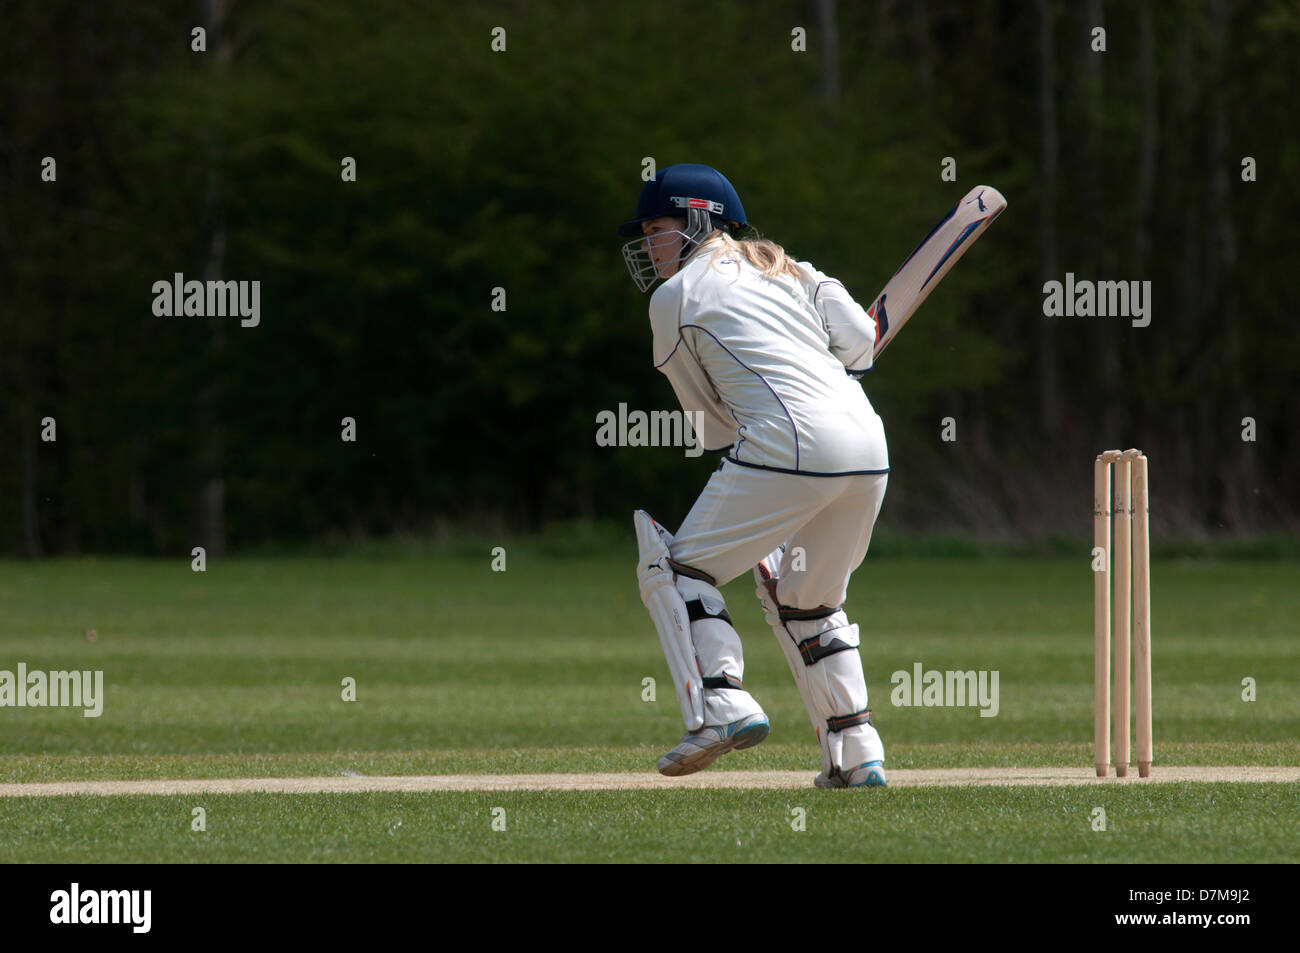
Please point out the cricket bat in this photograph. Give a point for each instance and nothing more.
(927, 265)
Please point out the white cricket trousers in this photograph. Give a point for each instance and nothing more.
(745, 513)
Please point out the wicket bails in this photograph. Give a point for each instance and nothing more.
(1132, 596)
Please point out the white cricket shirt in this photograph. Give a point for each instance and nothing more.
(767, 362)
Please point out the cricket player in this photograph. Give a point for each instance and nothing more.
(768, 353)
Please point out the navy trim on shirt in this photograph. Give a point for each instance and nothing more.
(758, 466)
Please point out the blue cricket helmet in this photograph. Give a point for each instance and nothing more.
(679, 188)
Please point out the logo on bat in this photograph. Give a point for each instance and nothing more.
(877, 313)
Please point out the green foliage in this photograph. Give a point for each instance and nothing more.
(479, 170)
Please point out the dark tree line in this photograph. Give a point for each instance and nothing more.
(479, 170)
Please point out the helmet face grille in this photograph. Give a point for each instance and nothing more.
(639, 256)
(636, 255)
(639, 253)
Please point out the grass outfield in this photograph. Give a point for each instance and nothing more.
(237, 672)
(1168, 823)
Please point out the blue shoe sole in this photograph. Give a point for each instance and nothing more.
(875, 778)
(751, 735)
(746, 737)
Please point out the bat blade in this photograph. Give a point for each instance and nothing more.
(931, 260)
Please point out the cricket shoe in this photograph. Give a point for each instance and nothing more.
(699, 749)
(869, 775)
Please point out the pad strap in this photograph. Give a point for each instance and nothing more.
(812, 651)
(841, 722)
(695, 611)
(723, 681)
(806, 615)
(691, 572)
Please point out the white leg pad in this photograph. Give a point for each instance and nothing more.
(706, 647)
(827, 650)
(718, 652)
(823, 657)
(668, 612)
(766, 574)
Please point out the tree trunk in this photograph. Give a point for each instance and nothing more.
(1189, 67)
(1049, 385)
(1239, 481)
(29, 428)
(923, 62)
(1148, 147)
(829, 53)
(209, 484)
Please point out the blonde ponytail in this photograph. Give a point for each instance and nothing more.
(765, 255)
